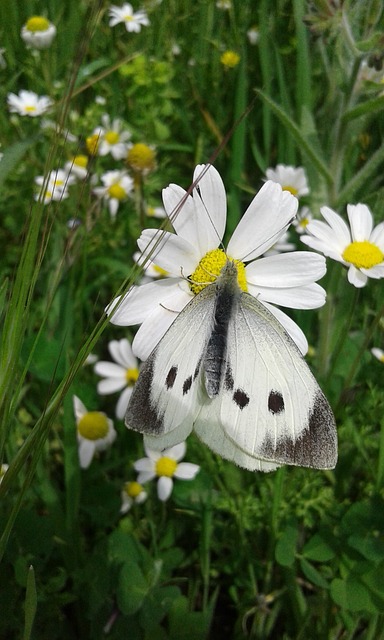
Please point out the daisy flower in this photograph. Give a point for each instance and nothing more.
(111, 138)
(141, 158)
(54, 186)
(378, 353)
(119, 375)
(38, 32)
(132, 493)
(302, 220)
(165, 465)
(292, 179)
(117, 187)
(156, 212)
(28, 103)
(77, 166)
(360, 247)
(95, 432)
(133, 21)
(287, 279)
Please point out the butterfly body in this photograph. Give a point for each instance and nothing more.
(228, 369)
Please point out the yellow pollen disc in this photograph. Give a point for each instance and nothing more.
(131, 376)
(117, 191)
(48, 194)
(304, 222)
(141, 157)
(133, 489)
(230, 59)
(30, 108)
(209, 268)
(165, 467)
(293, 190)
(111, 137)
(59, 183)
(80, 161)
(128, 18)
(93, 425)
(363, 255)
(150, 211)
(92, 143)
(37, 23)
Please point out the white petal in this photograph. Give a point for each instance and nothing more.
(144, 464)
(337, 224)
(109, 369)
(329, 247)
(79, 408)
(174, 254)
(378, 353)
(138, 303)
(361, 221)
(111, 385)
(122, 403)
(376, 272)
(145, 476)
(86, 451)
(309, 296)
(356, 277)
(210, 202)
(164, 488)
(177, 452)
(186, 470)
(286, 270)
(264, 222)
(377, 236)
(291, 327)
(121, 352)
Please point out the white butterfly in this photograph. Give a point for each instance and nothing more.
(228, 369)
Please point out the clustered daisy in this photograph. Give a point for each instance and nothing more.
(54, 186)
(111, 138)
(292, 179)
(28, 103)
(95, 432)
(133, 21)
(38, 32)
(119, 375)
(117, 186)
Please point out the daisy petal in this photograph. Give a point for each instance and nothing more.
(121, 352)
(144, 464)
(265, 220)
(360, 219)
(86, 452)
(177, 452)
(164, 488)
(145, 476)
(310, 296)
(374, 272)
(109, 369)
(286, 270)
(186, 470)
(79, 408)
(140, 300)
(122, 403)
(338, 225)
(110, 385)
(210, 202)
(377, 236)
(170, 252)
(356, 277)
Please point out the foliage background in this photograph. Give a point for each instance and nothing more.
(233, 554)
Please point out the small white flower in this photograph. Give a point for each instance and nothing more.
(111, 138)
(253, 35)
(54, 186)
(118, 185)
(302, 220)
(156, 212)
(133, 21)
(38, 32)
(287, 279)
(292, 179)
(28, 103)
(165, 466)
(77, 167)
(95, 432)
(359, 247)
(132, 493)
(378, 353)
(119, 375)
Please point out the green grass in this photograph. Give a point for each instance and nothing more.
(293, 554)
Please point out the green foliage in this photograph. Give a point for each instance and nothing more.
(293, 554)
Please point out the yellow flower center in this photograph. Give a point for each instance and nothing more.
(58, 183)
(303, 223)
(93, 425)
(210, 267)
(131, 376)
(133, 489)
(141, 157)
(230, 59)
(128, 17)
(92, 143)
(112, 137)
(165, 467)
(363, 255)
(117, 191)
(37, 23)
(30, 108)
(80, 161)
(288, 187)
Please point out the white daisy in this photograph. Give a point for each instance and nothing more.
(156, 212)
(117, 187)
(95, 432)
(77, 166)
(378, 353)
(302, 220)
(38, 32)
(165, 466)
(28, 103)
(54, 186)
(132, 493)
(359, 247)
(119, 375)
(133, 21)
(292, 179)
(111, 138)
(287, 279)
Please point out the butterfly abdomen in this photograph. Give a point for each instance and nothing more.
(215, 359)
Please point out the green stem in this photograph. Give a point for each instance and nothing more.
(341, 341)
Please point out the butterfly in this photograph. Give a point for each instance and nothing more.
(227, 369)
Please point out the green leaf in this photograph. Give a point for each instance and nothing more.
(285, 551)
(188, 625)
(12, 157)
(313, 575)
(351, 594)
(318, 549)
(132, 588)
(368, 107)
(30, 604)
(156, 605)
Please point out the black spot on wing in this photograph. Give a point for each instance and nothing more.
(228, 379)
(187, 385)
(275, 402)
(141, 414)
(171, 377)
(240, 398)
(316, 444)
(196, 372)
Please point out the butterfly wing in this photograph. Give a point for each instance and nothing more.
(167, 394)
(271, 408)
